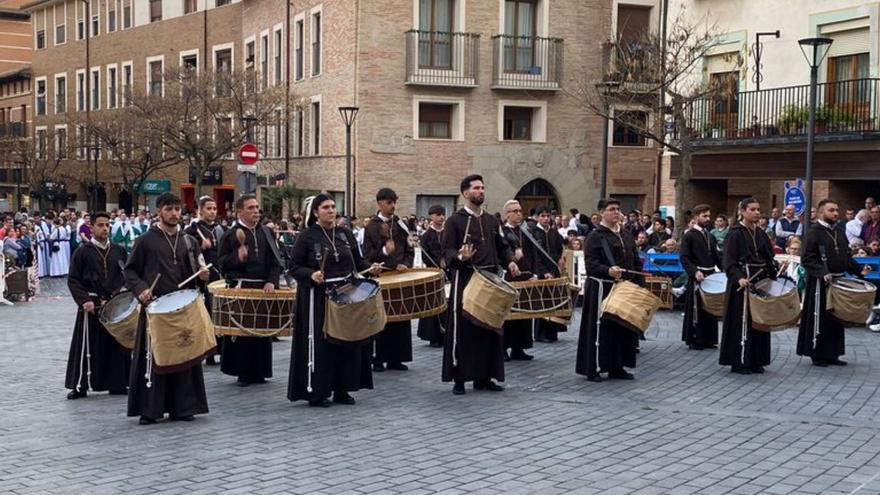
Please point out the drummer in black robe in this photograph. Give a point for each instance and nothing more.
(518, 333)
(208, 233)
(472, 240)
(553, 244)
(607, 346)
(431, 328)
(386, 241)
(748, 259)
(96, 360)
(318, 366)
(826, 256)
(166, 256)
(249, 258)
(699, 257)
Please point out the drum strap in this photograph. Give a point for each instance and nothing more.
(528, 235)
(607, 249)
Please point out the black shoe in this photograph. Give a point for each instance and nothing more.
(458, 388)
(594, 377)
(378, 367)
(243, 382)
(436, 344)
(621, 374)
(186, 418)
(520, 355)
(343, 398)
(713, 346)
(397, 366)
(695, 347)
(488, 385)
(820, 363)
(506, 357)
(73, 395)
(758, 370)
(118, 391)
(319, 403)
(257, 381)
(837, 362)
(210, 361)
(146, 421)
(543, 340)
(740, 370)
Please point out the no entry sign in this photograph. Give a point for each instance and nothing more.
(248, 154)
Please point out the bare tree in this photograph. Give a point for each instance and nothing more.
(650, 78)
(202, 118)
(41, 170)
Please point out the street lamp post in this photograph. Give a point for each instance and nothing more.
(348, 115)
(250, 179)
(605, 89)
(814, 50)
(87, 27)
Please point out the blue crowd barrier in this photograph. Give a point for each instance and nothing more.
(663, 263)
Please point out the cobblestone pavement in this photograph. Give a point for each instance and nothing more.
(685, 425)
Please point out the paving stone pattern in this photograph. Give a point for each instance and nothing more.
(684, 426)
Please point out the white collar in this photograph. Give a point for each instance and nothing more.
(824, 224)
(697, 226)
(383, 217)
(617, 229)
(240, 222)
(472, 212)
(436, 229)
(510, 225)
(103, 246)
(548, 228)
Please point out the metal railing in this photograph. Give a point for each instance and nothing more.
(437, 58)
(527, 62)
(843, 107)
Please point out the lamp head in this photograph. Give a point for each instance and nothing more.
(815, 50)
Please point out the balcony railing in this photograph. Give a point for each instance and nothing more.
(436, 58)
(12, 129)
(526, 62)
(843, 107)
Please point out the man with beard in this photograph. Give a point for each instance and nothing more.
(249, 258)
(552, 243)
(826, 256)
(164, 257)
(386, 241)
(472, 240)
(699, 257)
(518, 333)
(610, 254)
(748, 258)
(96, 360)
(207, 233)
(431, 328)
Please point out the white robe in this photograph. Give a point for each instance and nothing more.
(42, 248)
(59, 264)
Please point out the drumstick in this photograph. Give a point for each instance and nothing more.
(194, 275)
(203, 235)
(366, 271)
(751, 278)
(239, 234)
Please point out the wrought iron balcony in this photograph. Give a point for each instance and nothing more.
(845, 109)
(527, 62)
(436, 58)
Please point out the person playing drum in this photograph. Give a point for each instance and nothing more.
(249, 258)
(324, 256)
(207, 233)
(96, 360)
(553, 244)
(473, 240)
(518, 334)
(825, 257)
(160, 260)
(431, 328)
(610, 254)
(699, 257)
(748, 259)
(386, 241)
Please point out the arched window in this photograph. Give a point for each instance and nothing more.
(536, 193)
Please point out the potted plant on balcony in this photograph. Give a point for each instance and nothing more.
(793, 119)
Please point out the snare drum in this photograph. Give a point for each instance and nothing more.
(774, 305)
(542, 298)
(120, 317)
(355, 312)
(631, 306)
(849, 301)
(252, 312)
(487, 300)
(713, 293)
(413, 294)
(180, 331)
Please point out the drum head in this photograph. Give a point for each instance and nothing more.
(775, 288)
(119, 307)
(355, 291)
(173, 301)
(854, 285)
(407, 276)
(714, 284)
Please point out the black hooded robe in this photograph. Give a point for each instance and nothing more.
(431, 328)
(553, 244)
(518, 334)
(699, 253)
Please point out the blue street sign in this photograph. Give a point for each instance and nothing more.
(794, 195)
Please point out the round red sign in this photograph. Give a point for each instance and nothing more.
(248, 154)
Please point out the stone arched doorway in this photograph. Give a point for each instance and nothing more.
(535, 193)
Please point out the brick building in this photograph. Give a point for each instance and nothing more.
(444, 87)
(15, 96)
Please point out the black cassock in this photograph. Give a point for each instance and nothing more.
(616, 344)
(248, 357)
(213, 233)
(699, 253)
(394, 343)
(553, 244)
(95, 275)
(343, 368)
(518, 333)
(745, 252)
(181, 393)
(431, 328)
(828, 343)
(471, 352)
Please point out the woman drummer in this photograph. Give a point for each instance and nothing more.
(324, 256)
